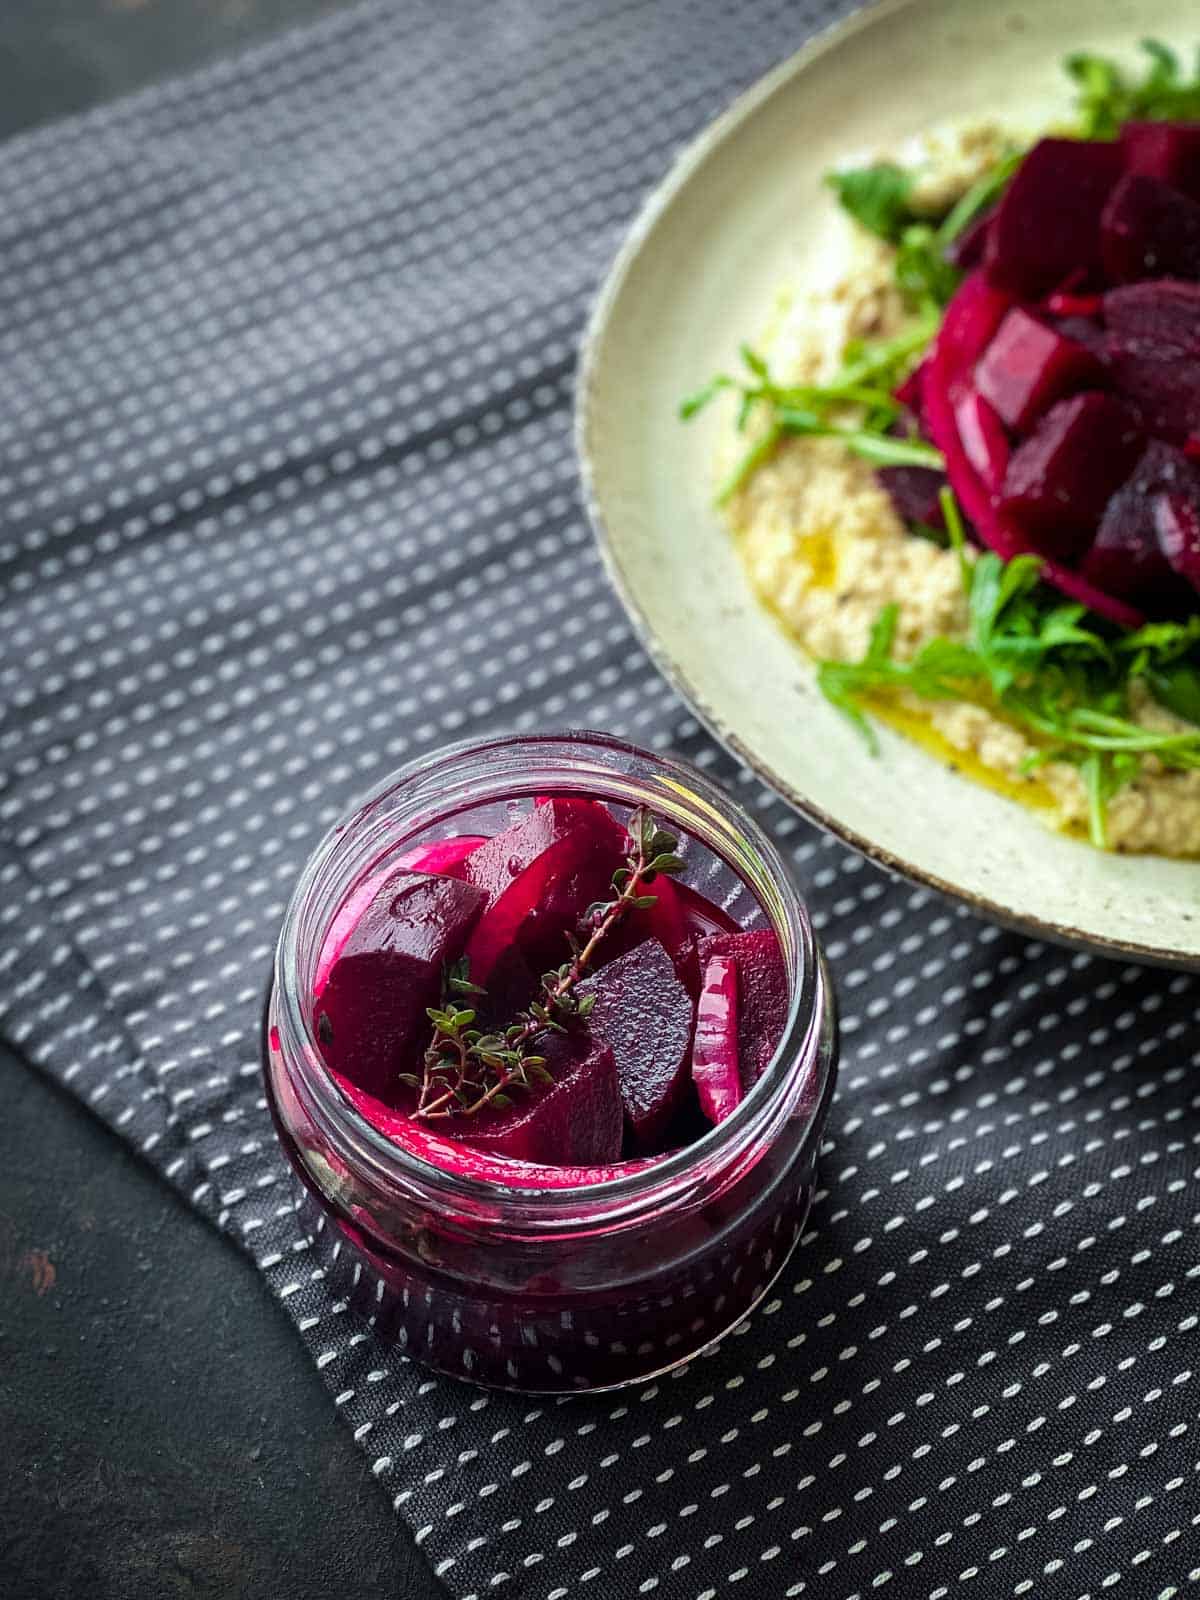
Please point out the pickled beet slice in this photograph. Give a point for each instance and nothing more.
(444, 856)
(762, 995)
(372, 1007)
(1177, 522)
(664, 921)
(539, 876)
(432, 1142)
(1149, 230)
(715, 1067)
(1028, 366)
(1046, 226)
(644, 1014)
(575, 1121)
(1169, 151)
(1060, 479)
(701, 919)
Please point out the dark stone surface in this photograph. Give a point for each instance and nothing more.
(162, 1431)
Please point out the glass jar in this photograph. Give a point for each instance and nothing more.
(563, 1289)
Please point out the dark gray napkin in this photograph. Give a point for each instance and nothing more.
(288, 497)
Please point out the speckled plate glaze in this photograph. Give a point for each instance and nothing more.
(742, 210)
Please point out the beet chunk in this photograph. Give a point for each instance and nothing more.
(1149, 230)
(1047, 225)
(575, 1121)
(1177, 523)
(914, 492)
(371, 1011)
(763, 995)
(539, 876)
(1127, 555)
(644, 1014)
(1169, 151)
(984, 441)
(1164, 396)
(1086, 331)
(1160, 319)
(1060, 479)
(1028, 366)
(1154, 353)
(715, 1067)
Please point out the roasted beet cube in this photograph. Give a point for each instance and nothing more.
(539, 877)
(1150, 230)
(1127, 557)
(1154, 353)
(1160, 319)
(762, 994)
(574, 1121)
(1047, 225)
(1169, 151)
(644, 1014)
(1060, 479)
(370, 1014)
(1162, 394)
(1028, 366)
(1177, 523)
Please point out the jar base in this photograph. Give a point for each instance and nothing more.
(399, 1315)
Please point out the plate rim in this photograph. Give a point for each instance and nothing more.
(685, 163)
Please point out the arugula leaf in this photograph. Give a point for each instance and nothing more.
(1103, 775)
(1177, 687)
(820, 410)
(876, 196)
(1108, 96)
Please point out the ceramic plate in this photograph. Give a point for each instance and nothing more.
(741, 212)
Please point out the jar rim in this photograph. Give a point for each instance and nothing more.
(798, 1056)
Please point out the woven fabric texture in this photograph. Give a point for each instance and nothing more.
(287, 497)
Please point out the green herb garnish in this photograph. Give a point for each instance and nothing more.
(1108, 96)
(855, 406)
(1049, 666)
(877, 196)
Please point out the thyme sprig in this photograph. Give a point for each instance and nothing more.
(465, 1069)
